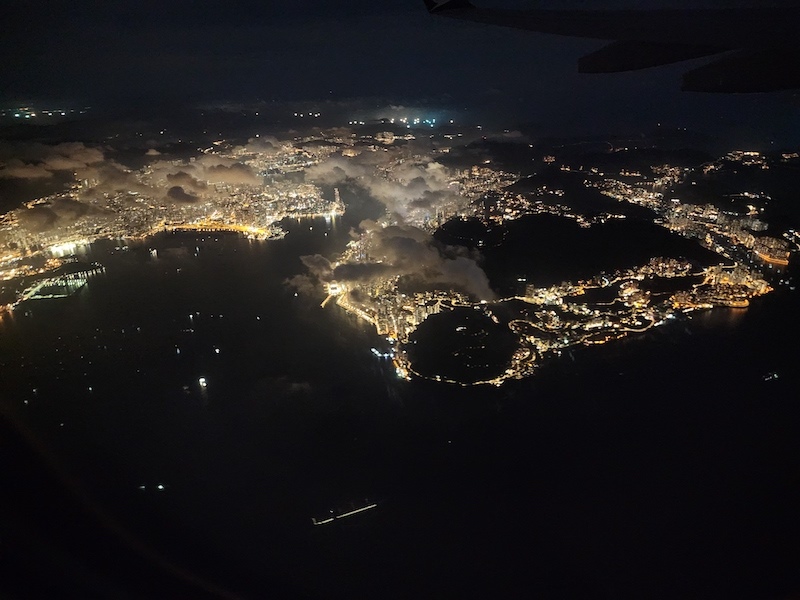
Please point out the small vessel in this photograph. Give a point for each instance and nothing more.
(333, 516)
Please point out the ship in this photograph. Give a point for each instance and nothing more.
(334, 516)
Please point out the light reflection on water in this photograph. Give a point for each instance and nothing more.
(720, 317)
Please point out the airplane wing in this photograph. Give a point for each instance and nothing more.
(759, 44)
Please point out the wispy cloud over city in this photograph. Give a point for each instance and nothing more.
(22, 160)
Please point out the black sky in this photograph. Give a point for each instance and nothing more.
(151, 52)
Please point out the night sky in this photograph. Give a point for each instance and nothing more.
(152, 52)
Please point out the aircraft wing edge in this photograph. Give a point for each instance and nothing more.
(624, 55)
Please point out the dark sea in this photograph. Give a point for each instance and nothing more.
(660, 466)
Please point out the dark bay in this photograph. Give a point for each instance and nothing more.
(606, 473)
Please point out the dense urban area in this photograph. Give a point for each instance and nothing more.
(249, 189)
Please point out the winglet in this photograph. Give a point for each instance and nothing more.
(435, 7)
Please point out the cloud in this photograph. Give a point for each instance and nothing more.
(25, 160)
(38, 219)
(203, 170)
(16, 169)
(304, 284)
(54, 214)
(183, 179)
(178, 194)
(79, 152)
(63, 163)
(113, 177)
(264, 145)
(235, 174)
(403, 250)
(411, 251)
(411, 188)
(366, 271)
(318, 265)
(336, 170)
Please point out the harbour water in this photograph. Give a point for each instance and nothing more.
(662, 462)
